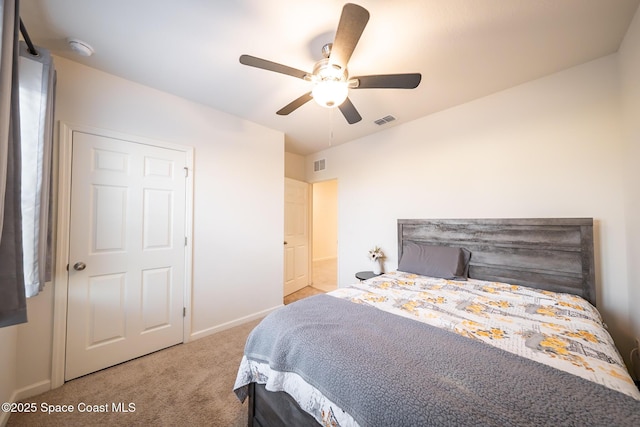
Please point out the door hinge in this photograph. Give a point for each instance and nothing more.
(184, 311)
(185, 240)
(186, 172)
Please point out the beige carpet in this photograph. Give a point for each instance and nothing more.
(307, 291)
(188, 384)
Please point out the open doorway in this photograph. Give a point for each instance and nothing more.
(324, 235)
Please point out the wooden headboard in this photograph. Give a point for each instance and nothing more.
(545, 253)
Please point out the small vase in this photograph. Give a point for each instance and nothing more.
(377, 267)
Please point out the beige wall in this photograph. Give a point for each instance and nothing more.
(294, 166)
(630, 89)
(231, 207)
(548, 148)
(325, 220)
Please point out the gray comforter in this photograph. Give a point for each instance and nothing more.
(386, 370)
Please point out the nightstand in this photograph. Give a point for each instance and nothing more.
(364, 275)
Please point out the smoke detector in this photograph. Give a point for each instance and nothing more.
(80, 47)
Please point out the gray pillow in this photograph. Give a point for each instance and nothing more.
(445, 262)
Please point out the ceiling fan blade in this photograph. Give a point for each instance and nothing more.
(352, 22)
(389, 81)
(349, 112)
(295, 104)
(252, 61)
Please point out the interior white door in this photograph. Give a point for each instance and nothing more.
(296, 235)
(126, 252)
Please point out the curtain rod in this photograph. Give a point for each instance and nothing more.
(27, 39)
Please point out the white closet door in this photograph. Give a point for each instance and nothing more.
(127, 252)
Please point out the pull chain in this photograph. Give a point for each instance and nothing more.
(331, 118)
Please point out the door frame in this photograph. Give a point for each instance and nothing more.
(62, 216)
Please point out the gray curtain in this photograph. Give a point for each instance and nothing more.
(13, 308)
(37, 83)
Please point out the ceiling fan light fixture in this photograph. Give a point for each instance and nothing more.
(330, 93)
(330, 87)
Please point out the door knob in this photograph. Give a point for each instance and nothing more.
(79, 266)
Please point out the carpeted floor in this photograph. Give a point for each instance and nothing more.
(188, 384)
(307, 291)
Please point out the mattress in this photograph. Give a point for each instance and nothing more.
(561, 331)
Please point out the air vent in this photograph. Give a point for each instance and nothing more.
(319, 165)
(384, 120)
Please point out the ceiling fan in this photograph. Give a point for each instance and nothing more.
(330, 78)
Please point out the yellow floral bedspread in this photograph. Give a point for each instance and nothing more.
(560, 330)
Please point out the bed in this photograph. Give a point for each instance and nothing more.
(485, 322)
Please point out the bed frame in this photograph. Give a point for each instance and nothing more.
(554, 254)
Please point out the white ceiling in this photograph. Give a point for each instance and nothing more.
(465, 49)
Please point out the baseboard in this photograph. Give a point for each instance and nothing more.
(33, 390)
(25, 393)
(228, 325)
